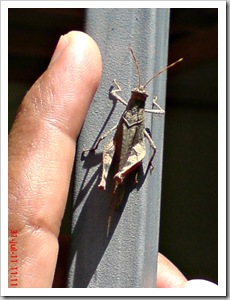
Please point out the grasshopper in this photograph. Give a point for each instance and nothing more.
(127, 148)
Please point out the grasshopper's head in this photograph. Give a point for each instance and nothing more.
(141, 88)
(140, 93)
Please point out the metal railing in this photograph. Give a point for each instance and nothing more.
(128, 257)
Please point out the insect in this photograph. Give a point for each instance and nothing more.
(126, 150)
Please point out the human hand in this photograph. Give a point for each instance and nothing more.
(41, 143)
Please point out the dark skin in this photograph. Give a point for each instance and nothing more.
(41, 142)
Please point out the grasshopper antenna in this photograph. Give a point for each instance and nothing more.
(154, 76)
(137, 66)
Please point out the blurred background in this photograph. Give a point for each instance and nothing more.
(189, 210)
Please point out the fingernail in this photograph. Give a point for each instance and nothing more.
(61, 45)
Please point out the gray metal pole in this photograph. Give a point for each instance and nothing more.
(128, 258)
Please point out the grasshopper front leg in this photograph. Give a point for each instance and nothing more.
(160, 110)
(102, 137)
(115, 95)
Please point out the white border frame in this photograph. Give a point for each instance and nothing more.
(222, 109)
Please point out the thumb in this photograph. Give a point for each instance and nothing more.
(41, 153)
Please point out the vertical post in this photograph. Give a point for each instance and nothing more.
(128, 258)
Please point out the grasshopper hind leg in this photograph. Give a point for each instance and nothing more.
(153, 146)
(134, 160)
(106, 163)
(116, 205)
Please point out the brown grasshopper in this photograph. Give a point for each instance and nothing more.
(127, 148)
